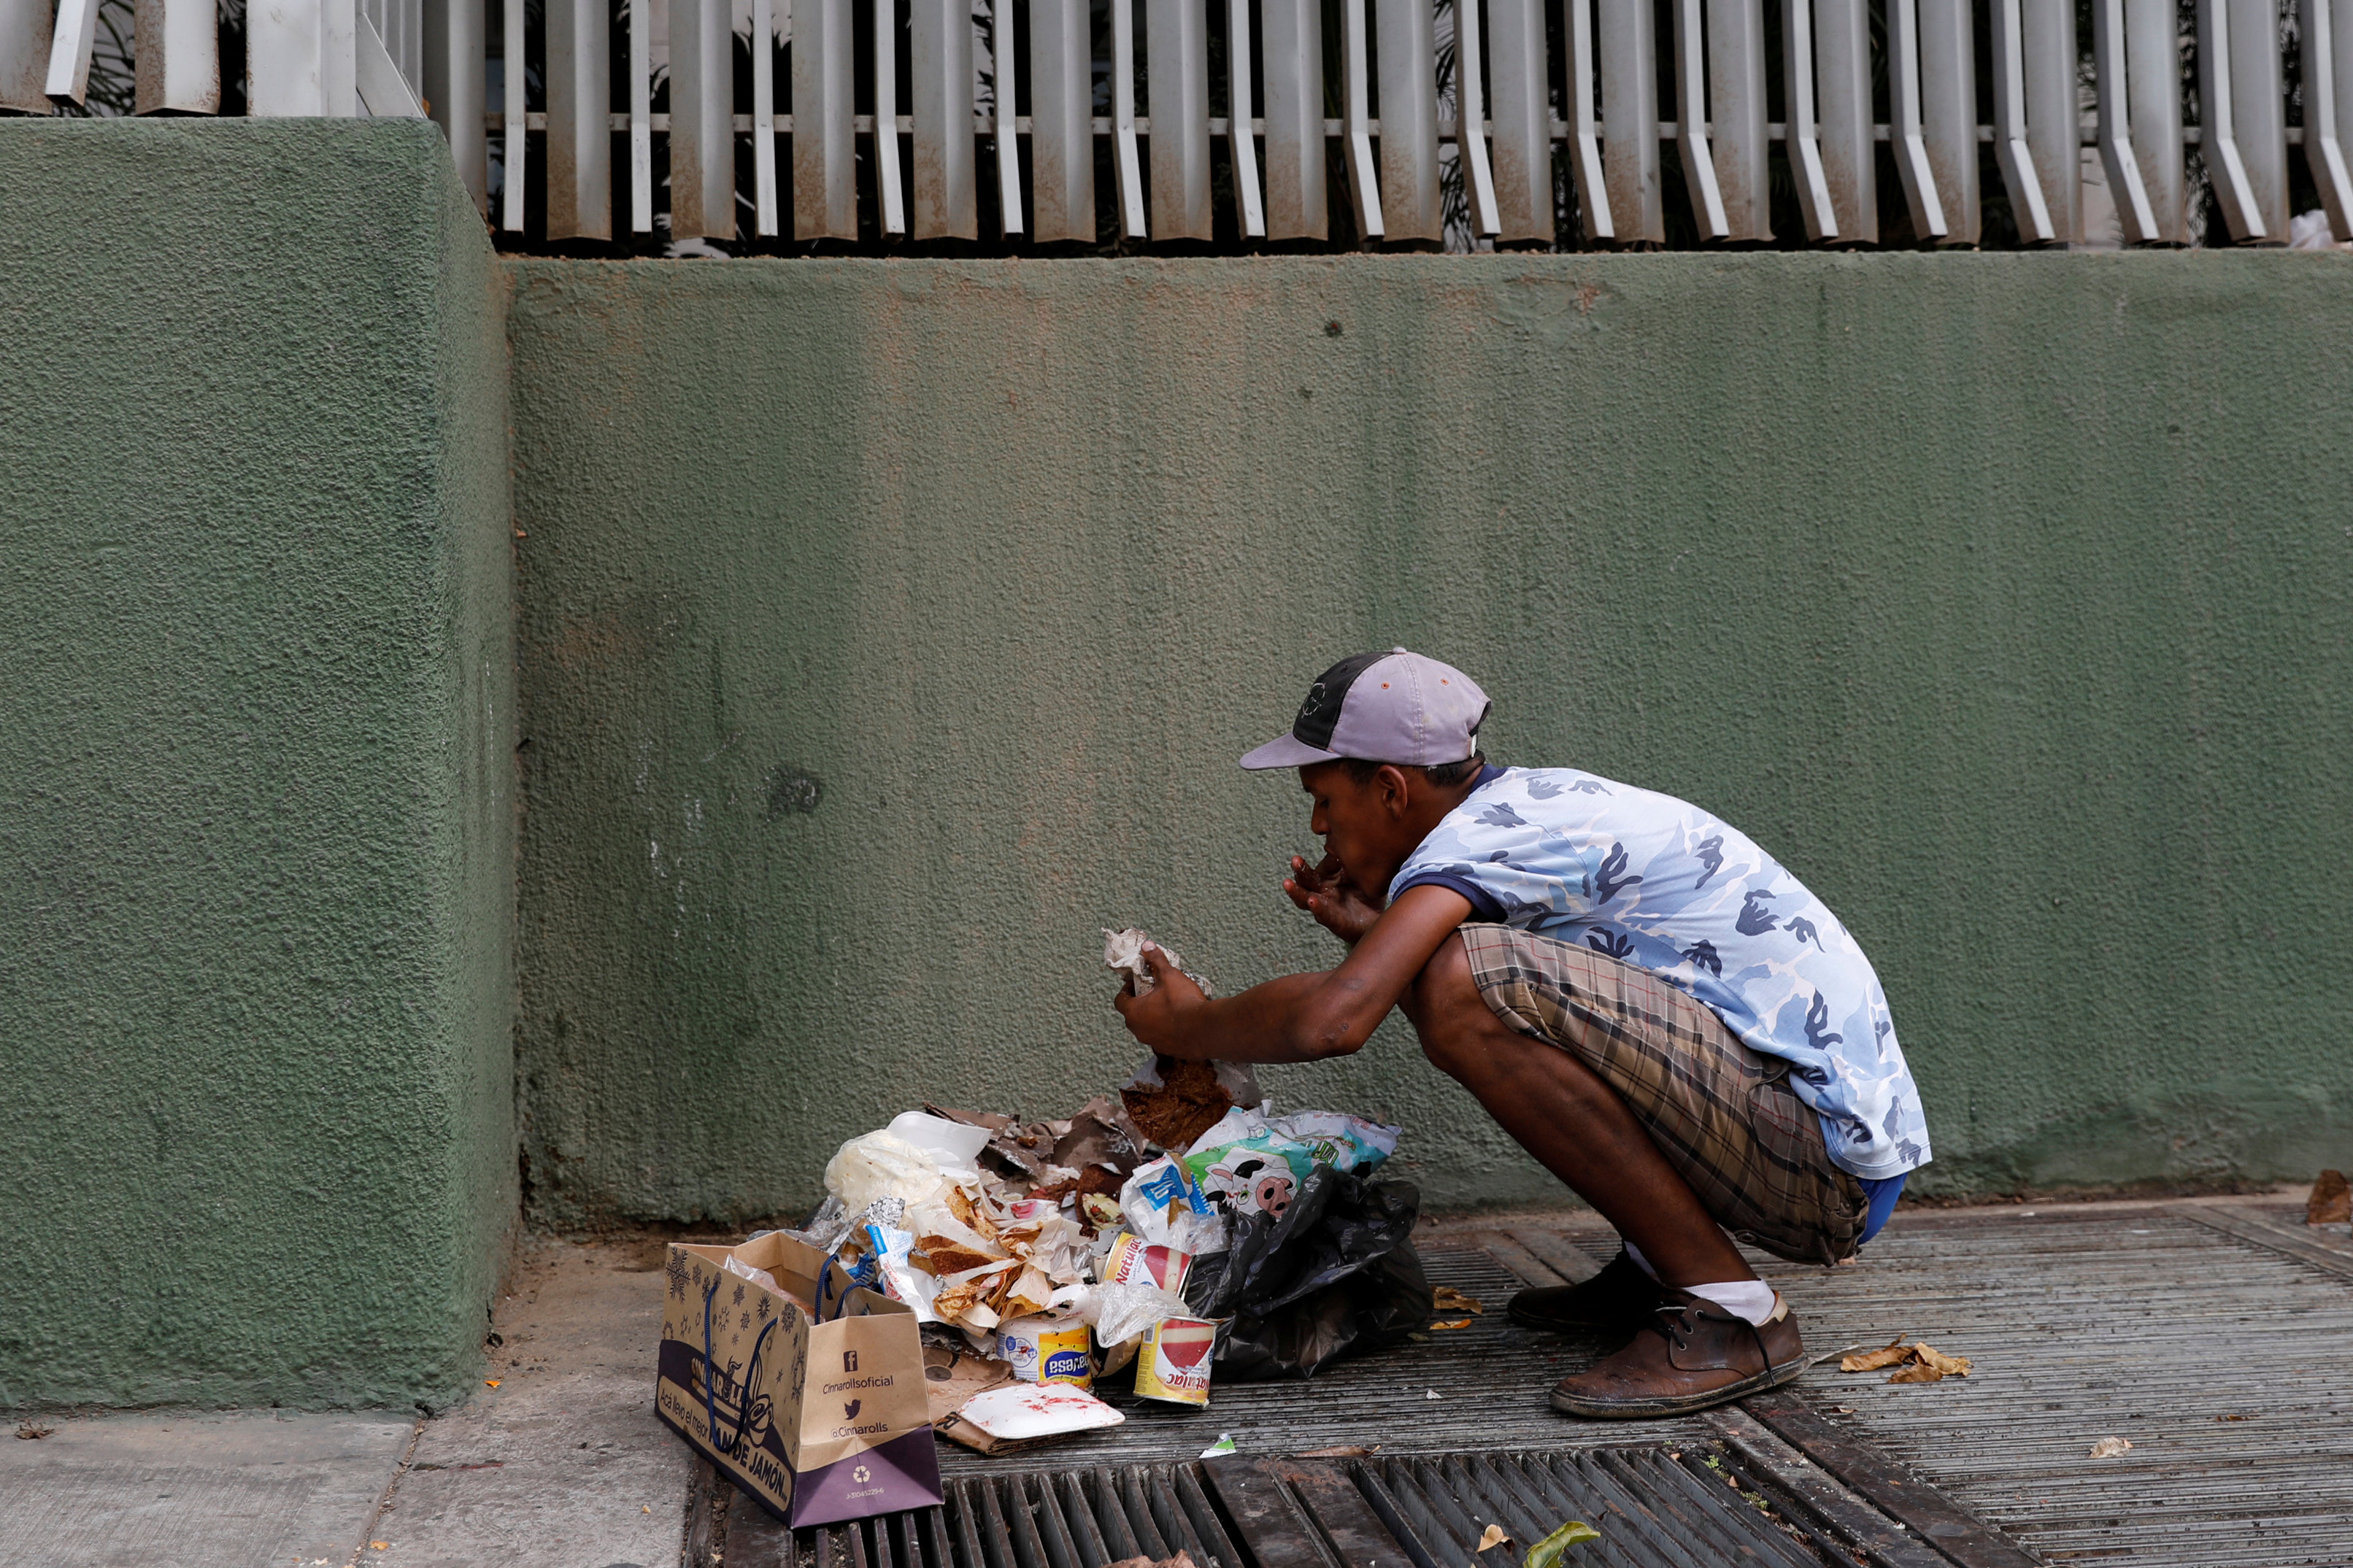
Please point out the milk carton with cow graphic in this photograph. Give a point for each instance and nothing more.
(819, 1421)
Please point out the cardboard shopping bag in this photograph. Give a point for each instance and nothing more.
(819, 1421)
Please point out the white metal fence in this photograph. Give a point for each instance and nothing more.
(1303, 119)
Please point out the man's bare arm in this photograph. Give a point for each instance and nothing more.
(1300, 1017)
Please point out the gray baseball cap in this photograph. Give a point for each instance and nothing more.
(1393, 707)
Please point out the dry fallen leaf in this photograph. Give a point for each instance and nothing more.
(1494, 1535)
(489, 1382)
(1895, 1351)
(32, 1431)
(1447, 1299)
(2331, 1201)
(1918, 1374)
(1951, 1365)
(1452, 1323)
(2109, 1448)
(379, 1546)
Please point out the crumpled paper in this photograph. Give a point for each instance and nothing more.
(1124, 952)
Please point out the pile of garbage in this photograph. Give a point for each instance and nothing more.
(1178, 1225)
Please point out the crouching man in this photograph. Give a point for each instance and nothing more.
(1647, 1000)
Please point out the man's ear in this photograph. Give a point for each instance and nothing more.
(1396, 792)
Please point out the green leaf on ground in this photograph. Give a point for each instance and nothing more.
(1547, 1553)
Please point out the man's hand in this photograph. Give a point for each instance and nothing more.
(1325, 892)
(1163, 1017)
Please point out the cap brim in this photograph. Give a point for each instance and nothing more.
(1287, 751)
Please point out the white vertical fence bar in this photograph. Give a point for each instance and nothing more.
(2259, 109)
(281, 61)
(515, 137)
(1906, 136)
(2011, 152)
(939, 50)
(2327, 115)
(1004, 55)
(642, 116)
(1803, 130)
(1293, 34)
(382, 87)
(2218, 145)
(176, 52)
(1242, 143)
(1356, 119)
(2135, 219)
(24, 56)
(1691, 122)
(764, 118)
(1176, 61)
(1061, 123)
(701, 120)
(1842, 99)
(1949, 112)
(1470, 120)
(339, 57)
(70, 40)
(1520, 92)
(2053, 133)
(1629, 118)
(2153, 101)
(1126, 167)
(1584, 78)
(1412, 202)
(1736, 71)
(885, 139)
(457, 88)
(825, 145)
(579, 178)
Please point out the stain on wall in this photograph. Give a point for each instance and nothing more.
(888, 628)
(256, 786)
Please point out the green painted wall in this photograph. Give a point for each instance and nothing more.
(255, 777)
(2003, 596)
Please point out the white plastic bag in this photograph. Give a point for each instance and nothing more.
(882, 1165)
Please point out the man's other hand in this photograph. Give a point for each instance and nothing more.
(1161, 1017)
(1326, 892)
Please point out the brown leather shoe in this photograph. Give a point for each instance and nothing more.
(1622, 1297)
(1690, 1355)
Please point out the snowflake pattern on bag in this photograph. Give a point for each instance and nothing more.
(1662, 885)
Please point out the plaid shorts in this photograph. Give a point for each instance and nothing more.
(1723, 1115)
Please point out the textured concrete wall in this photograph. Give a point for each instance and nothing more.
(256, 775)
(888, 629)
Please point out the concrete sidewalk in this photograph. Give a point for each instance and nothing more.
(560, 1466)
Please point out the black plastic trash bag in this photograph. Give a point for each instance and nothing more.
(1335, 1275)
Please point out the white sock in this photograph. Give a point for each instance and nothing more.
(1751, 1300)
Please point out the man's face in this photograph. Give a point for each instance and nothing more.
(1362, 824)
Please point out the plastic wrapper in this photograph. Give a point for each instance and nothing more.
(1252, 1163)
(1336, 1275)
(1164, 1206)
(882, 1165)
(823, 1230)
(1120, 1314)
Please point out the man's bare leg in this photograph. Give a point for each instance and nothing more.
(1574, 1123)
